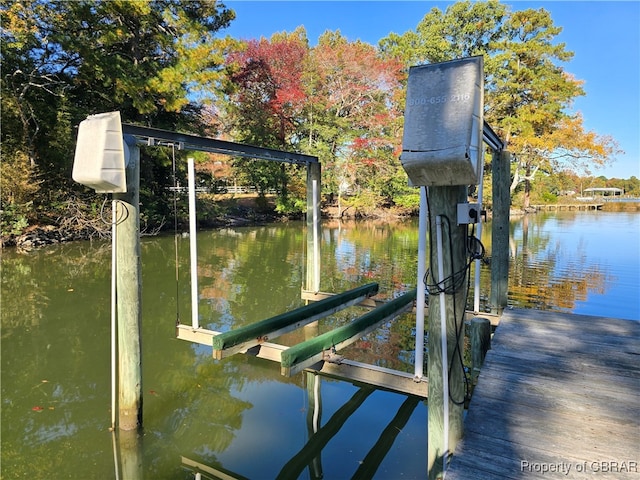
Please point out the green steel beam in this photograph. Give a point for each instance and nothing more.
(305, 354)
(243, 338)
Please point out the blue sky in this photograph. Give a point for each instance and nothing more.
(605, 37)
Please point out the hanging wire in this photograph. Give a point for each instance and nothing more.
(474, 250)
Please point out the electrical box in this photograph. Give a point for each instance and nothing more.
(443, 122)
(468, 213)
(100, 160)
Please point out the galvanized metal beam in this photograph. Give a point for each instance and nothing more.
(491, 138)
(347, 370)
(380, 377)
(155, 136)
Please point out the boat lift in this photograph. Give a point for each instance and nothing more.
(102, 167)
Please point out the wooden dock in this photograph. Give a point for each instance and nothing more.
(554, 207)
(558, 397)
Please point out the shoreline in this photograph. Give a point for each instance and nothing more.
(39, 236)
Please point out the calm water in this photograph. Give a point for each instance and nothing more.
(239, 415)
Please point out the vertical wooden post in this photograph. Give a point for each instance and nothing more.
(313, 227)
(480, 339)
(500, 231)
(443, 200)
(129, 287)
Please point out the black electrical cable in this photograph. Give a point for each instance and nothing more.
(474, 250)
(123, 216)
(457, 351)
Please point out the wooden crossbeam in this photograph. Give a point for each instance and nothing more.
(305, 354)
(244, 338)
(380, 377)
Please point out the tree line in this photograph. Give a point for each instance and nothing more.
(167, 64)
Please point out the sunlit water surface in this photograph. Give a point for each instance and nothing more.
(239, 415)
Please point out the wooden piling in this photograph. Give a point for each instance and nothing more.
(130, 443)
(443, 201)
(129, 289)
(500, 231)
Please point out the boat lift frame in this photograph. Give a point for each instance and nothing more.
(379, 377)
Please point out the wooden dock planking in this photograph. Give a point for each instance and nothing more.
(558, 391)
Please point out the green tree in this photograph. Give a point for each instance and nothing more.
(528, 93)
(65, 60)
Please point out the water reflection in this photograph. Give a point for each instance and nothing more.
(309, 457)
(577, 262)
(240, 415)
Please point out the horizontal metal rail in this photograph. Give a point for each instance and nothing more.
(155, 136)
(491, 138)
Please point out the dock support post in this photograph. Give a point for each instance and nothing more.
(500, 231)
(480, 339)
(443, 201)
(129, 289)
(313, 227)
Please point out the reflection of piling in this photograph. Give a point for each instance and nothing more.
(130, 443)
(314, 446)
(129, 289)
(314, 416)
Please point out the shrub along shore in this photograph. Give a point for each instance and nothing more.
(238, 212)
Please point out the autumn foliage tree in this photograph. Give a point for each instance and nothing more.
(264, 102)
(354, 122)
(159, 61)
(336, 100)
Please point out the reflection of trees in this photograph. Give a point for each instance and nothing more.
(27, 279)
(249, 274)
(543, 275)
(54, 393)
(186, 392)
(366, 251)
(55, 327)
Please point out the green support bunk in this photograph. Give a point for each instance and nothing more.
(241, 339)
(305, 354)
